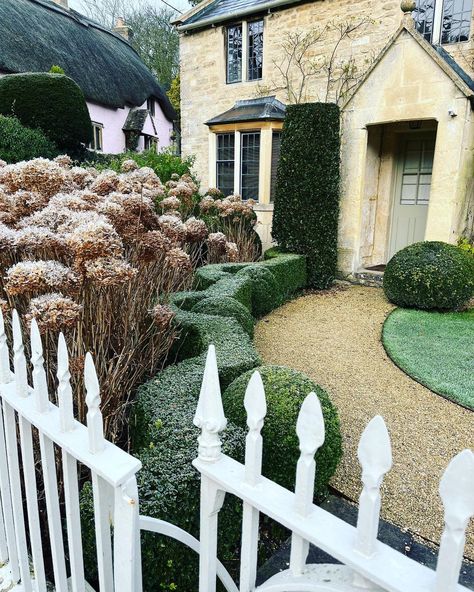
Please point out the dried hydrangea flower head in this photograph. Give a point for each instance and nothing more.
(64, 161)
(107, 271)
(128, 166)
(207, 204)
(232, 252)
(153, 246)
(173, 228)
(170, 203)
(97, 238)
(54, 312)
(162, 316)
(39, 175)
(105, 183)
(196, 230)
(215, 193)
(2, 163)
(178, 261)
(29, 277)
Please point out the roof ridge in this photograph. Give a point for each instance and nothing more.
(81, 19)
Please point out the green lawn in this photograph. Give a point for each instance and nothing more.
(436, 349)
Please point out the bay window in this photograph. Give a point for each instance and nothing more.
(443, 21)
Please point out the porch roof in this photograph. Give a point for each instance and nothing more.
(261, 109)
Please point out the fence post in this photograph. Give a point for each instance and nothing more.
(211, 420)
(71, 487)
(310, 431)
(256, 407)
(102, 491)
(457, 492)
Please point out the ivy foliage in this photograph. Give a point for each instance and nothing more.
(52, 103)
(306, 207)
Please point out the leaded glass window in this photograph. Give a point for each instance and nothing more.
(424, 17)
(255, 50)
(234, 54)
(443, 21)
(250, 165)
(456, 21)
(225, 163)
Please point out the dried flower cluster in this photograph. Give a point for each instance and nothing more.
(91, 253)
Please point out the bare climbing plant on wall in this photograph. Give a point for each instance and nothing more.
(304, 58)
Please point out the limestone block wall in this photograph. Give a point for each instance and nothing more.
(203, 81)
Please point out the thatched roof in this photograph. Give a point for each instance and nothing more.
(37, 34)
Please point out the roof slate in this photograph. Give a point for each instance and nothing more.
(261, 109)
(37, 34)
(225, 9)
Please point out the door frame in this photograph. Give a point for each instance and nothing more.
(397, 177)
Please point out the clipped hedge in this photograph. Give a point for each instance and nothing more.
(227, 307)
(19, 143)
(53, 103)
(285, 390)
(306, 209)
(163, 436)
(430, 275)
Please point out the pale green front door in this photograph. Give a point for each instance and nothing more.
(412, 191)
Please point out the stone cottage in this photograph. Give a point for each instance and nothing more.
(402, 79)
(128, 108)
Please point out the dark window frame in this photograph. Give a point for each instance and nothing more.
(254, 70)
(236, 77)
(447, 11)
(225, 163)
(242, 186)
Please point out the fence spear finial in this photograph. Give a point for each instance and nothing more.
(209, 415)
(456, 489)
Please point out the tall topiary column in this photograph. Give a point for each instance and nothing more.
(306, 210)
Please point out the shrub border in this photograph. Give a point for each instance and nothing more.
(161, 421)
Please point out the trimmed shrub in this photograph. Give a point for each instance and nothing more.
(165, 440)
(430, 275)
(289, 271)
(285, 391)
(53, 103)
(305, 218)
(163, 436)
(19, 143)
(266, 293)
(227, 307)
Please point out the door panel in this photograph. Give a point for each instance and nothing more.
(412, 191)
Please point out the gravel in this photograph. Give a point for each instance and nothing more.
(334, 337)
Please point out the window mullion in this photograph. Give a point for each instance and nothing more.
(237, 161)
(245, 51)
(437, 21)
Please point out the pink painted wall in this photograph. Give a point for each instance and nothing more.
(113, 121)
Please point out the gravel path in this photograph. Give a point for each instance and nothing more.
(334, 337)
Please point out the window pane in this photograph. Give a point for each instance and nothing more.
(456, 21)
(225, 163)
(276, 145)
(255, 40)
(234, 53)
(250, 165)
(424, 17)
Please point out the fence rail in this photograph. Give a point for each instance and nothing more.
(366, 562)
(41, 442)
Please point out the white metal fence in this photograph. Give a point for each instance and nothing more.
(39, 438)
(367, 564)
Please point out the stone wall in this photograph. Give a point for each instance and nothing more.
(203, 85)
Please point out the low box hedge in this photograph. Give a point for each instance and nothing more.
(161, 426)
